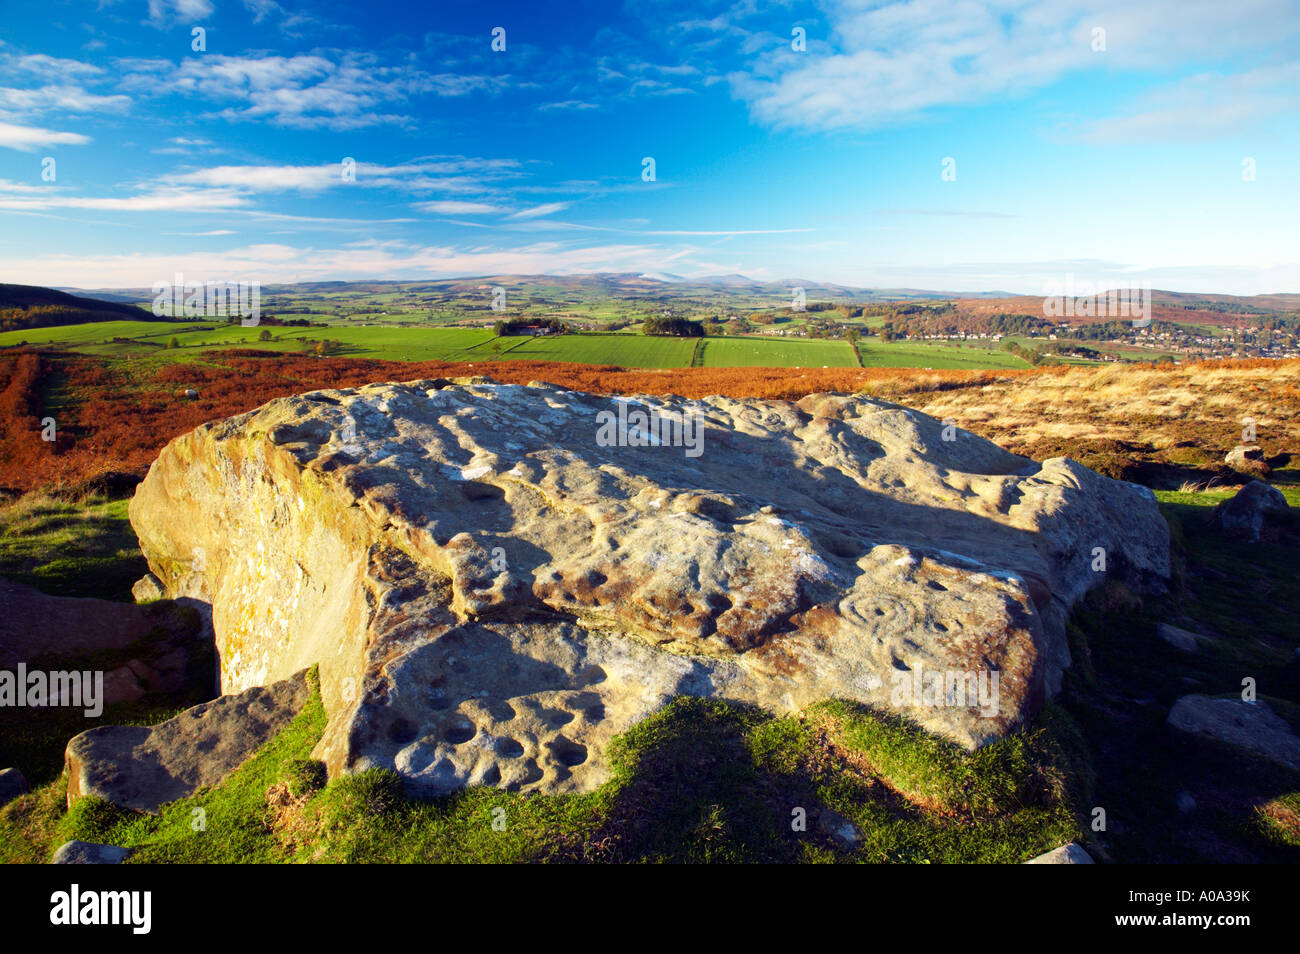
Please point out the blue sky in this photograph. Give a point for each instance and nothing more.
(1165, 148)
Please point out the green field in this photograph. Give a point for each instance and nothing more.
(629, 351)
(777, 353)
(408, 343)
(911, 354)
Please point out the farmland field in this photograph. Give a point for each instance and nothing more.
(629, 351)
(407, 343)
(392, 343)
(777, 353)
(909, 354)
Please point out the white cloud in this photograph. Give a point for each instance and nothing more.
(307, 91)
(28, 138)
(163, 199)
(282, 263)
(72, 99)
(1201, 107)
(546, 208)
(570, 104)
(161, 11)
(455, 207)
(450, 174)
(263, 178)
(49, 67)
(260, 9)
(883, 63)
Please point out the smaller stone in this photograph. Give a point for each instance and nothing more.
(1071, 854)
(147, 588)
(1240, 455)
(1247, 725)
(1186, 804)
(12, 784)
(843, 831)
(1182, 639)
(1249, 515)
(121, 685)
(88, 853)
(144, 767)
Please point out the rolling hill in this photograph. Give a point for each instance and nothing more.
(31, 306)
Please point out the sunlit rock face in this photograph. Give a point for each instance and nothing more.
(496, 579)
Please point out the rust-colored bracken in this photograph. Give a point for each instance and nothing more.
(113, 415)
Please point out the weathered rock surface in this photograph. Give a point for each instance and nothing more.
(1071, 854)
(1248, 725)
(144, 767)
(1178, 637)
(89, 853)
(1248, 459)
(160, 648)
(12, 784)
(147, 588)
(1250, 514)
(34, 624)
(492, 593)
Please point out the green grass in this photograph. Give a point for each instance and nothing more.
(396, 343)
(775, 352)
(406, 340)
(67, 548)
(911, 354)
(95, 333)
(1124, 680)
(642, 351)
(1279, 820)
(701, 781)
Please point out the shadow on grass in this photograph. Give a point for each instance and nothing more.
(1170, 797)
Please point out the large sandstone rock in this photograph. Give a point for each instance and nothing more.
(492, 593)
(143, 767)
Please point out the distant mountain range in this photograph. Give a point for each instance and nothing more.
(30, 306)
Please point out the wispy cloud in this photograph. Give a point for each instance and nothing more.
(159, 199)
(450, 174)
(546, 208)
(570, 104)
(28, 138)
(191, 11)
(1206, 106)
(950, 213)
(272, 262)
(455, 207)
(67, 98)
(338, 91)
(881, 64)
